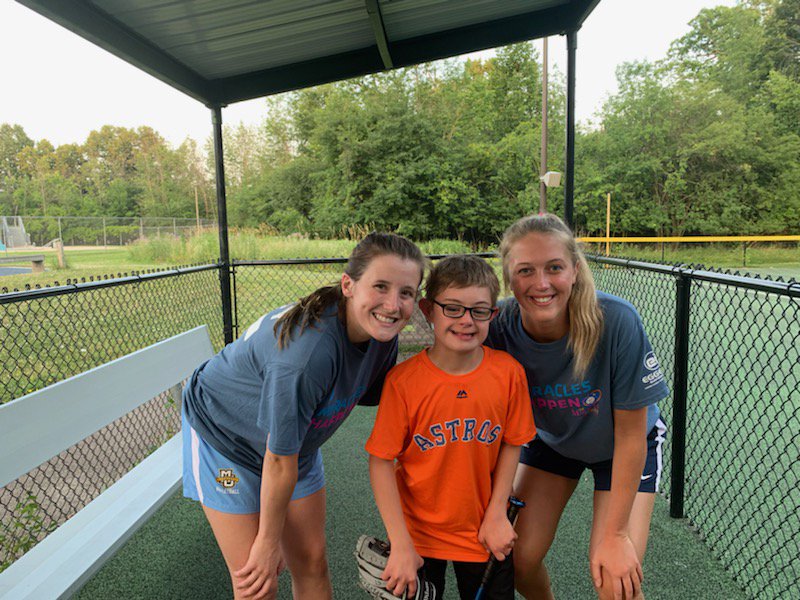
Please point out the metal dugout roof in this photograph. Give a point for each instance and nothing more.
(225, 51)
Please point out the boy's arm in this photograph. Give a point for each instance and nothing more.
(401, 569)
(497, 533)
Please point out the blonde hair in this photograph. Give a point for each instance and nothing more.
(462, 271)
(309, 309)
(585, 315)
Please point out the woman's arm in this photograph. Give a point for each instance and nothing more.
(401, 569)
(259, 576)
(496, 532)
(614, 553)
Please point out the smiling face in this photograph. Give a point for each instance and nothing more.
(459, 338)
(380, 303)
(541, 274)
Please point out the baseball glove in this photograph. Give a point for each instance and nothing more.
(371, 556)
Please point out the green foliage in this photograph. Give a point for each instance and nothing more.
(705, 142)
(23, 530)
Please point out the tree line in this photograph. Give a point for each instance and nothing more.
(704, 141)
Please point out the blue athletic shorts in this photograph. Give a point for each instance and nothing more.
(219, 483)
(539, 455)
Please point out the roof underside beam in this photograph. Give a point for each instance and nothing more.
(378, 28)
(526, 26)
(103, 30)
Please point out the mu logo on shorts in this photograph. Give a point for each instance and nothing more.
(227, 478)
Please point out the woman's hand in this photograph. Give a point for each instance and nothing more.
(497, 534)
(401, 570)
(615, 557)
(258, 578)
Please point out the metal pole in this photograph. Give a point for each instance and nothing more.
(222, 220)
(608, 224)
(196, 210)
(680, 385)
(569, 184)
(543, 161)
(105, 239)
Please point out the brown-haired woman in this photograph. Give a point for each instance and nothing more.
(256, 414)
(594, 382)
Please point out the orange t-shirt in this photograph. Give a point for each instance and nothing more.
(445, 432)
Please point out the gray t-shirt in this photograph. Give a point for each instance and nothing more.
(298, 395)
(575, 416)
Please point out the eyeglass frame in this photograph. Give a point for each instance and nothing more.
(493, 310)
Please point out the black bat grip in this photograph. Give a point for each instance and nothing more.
(514, 504)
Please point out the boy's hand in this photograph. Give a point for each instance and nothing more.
(497, 534)
(401, 570)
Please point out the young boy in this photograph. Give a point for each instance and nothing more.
(447, 439)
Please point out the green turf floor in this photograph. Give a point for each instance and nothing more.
(174, 555)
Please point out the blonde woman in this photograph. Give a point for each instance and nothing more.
(594, 383)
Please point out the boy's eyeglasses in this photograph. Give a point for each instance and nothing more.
(456, 311)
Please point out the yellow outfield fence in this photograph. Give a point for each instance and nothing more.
(744, 240)
(693, 238)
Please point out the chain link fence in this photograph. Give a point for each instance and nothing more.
(738, 480)
(105, 231)
(738, 477)
(50, 334)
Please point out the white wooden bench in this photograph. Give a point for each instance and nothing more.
(37, 427)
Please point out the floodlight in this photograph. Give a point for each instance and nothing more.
(551, 179)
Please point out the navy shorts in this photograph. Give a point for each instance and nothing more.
(539, 455)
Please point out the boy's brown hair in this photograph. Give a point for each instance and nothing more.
(461, 271)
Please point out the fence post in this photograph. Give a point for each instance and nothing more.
(105, 240)
(222, 216)
(680, 384)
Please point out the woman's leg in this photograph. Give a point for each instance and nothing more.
(235, 535)
(638, 529)
(545, 496)
(303, 545)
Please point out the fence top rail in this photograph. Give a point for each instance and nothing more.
(60, 290)
(695, 239)
(790, 288)
(326, 261)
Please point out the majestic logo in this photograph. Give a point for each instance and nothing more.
(650, 361)
(227, 479)
(461, 394)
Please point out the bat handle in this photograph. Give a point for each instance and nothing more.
(514, 504)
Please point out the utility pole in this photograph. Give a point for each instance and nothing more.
(543, 161)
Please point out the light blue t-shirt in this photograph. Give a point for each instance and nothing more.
(575, 416)
(298, 395)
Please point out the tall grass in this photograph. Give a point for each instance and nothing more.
(250, 245)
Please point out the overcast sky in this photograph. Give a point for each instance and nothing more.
(60, 87)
